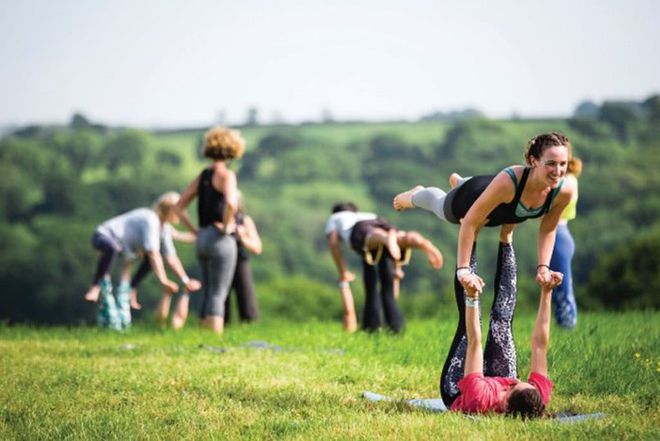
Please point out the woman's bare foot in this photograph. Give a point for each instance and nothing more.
(403, 200)
(393, 244)
(92, 295)
(454, 179)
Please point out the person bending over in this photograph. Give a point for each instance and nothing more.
(379, 245)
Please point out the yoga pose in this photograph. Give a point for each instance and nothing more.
(379, 244)
(142, 231)
(189, 284)
(248, 241)
(504, 199)
(563, 297)
(476, 383)
(217, 198)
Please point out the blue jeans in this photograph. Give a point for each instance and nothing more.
(563, 298)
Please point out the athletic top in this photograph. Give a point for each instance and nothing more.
(138, 231)
(210, 202)
(344, 221)
(570, 211)
(481, 394)
(513, 212)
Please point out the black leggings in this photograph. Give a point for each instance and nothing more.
(500, 351)
(109, 249)
(243, 285)
(379, 304)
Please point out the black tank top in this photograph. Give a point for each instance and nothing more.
(470, 191)
(210, 202)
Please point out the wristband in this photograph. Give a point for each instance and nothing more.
(463, 271)
(541, 266)
(343, 284)
(472, 302)
(185, 279)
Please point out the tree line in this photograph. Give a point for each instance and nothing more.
(58, 183)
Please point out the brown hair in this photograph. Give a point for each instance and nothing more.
(574, 167)
(223, 143)
(526, 403)
(538, 144)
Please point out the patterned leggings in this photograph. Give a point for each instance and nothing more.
(500, 351)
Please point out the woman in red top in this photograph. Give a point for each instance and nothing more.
(500, 391)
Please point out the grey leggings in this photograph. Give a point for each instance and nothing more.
(500, 352)
(216, 253)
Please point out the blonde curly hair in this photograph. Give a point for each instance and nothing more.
(223, 143)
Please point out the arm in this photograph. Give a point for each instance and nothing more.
(187, 196)
(183, 236)
(500, 190)
(250, 236)
(541, 333)
(474, 359)
(333, 242)
(175, 263)
(158, 268)
(546, 239)
(230, 190)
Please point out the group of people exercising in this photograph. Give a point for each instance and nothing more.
(545, 187)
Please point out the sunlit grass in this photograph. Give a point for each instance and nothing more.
(277, 379)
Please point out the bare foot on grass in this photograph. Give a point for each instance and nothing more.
(92, 295)
(403, 201)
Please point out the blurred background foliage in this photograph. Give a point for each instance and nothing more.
(58, 183)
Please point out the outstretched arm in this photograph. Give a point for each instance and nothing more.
(474, 359)
(541, 333)
(334, 243)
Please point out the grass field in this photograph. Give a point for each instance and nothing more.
(304, 381)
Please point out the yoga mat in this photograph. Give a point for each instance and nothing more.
(436, 405)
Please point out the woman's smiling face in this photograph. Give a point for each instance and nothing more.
(553, 164)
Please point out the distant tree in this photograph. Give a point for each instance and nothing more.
(628, 277)
(79, 121)
(586, 109)
(651, 107)
(621, 116)
(252, 117)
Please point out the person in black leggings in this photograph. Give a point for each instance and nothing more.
(517, 193)
(248, 241)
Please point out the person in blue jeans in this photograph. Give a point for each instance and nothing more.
(563, 297)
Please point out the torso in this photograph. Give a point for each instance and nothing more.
(210, 201)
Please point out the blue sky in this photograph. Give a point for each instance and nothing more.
(171, 63)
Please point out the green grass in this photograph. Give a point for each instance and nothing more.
(85, 383)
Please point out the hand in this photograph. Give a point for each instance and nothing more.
(346, 276)
(399, 274)
(472, 284)
(170, 287)
(193, 285)
(547, 278)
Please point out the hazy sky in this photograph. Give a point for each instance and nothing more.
(162, 63)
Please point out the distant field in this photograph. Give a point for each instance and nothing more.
(304, 381)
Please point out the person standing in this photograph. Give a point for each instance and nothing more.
(248, 242)
(215, 189)
(563, 296)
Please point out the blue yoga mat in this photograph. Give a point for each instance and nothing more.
(436, 405)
